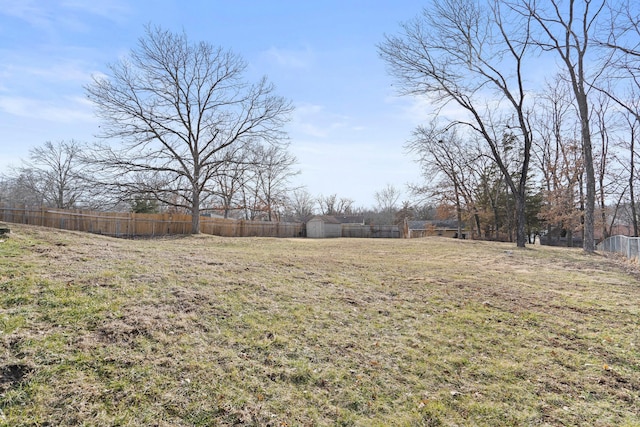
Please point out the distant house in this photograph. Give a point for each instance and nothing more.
(434, 228)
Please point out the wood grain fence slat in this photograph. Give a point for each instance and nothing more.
(144, 225)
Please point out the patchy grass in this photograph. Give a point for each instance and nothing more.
(201, 331)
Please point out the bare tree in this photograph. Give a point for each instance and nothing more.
(607, 125)
(559, 159)
(623, 83)
(461, 52)
(569, 29)
(332, 205)
(623, 36)
(447, 167)
(15, 190)
(630, 145)
(302, 204)
(54, 173)
(174, 105)
(272, 172)
(226, 185)
(328, 204)
(387, 199)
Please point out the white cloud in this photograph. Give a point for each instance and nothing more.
(69, 71)
(110, 9)
(288, 58)
(34, 12)
(74, 110)
(312, 120)
(45, 15)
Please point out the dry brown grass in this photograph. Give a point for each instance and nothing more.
(285, 332)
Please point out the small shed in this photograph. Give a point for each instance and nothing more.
(323, 226)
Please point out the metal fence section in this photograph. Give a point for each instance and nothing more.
(628, 246)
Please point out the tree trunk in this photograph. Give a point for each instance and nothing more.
(634, 216)
(458, 212)
(195, 211)
(509, 214)
(520, 220)
(590, 200)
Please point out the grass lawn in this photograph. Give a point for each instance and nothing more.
(205, 331)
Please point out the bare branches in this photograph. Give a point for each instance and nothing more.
(464, 53)
(54, 173)
(175, 105)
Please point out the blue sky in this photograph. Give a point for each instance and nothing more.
(349, 126)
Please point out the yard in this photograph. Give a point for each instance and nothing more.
(204, 330)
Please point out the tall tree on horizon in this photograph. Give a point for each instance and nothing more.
(174, 105)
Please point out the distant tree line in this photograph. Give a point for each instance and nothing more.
(536, 111)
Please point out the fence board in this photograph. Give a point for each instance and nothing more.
(145, 225)
(628, 246)
(366, 231)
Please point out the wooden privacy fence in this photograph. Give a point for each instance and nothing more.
(145, 225)
(243, 228)
(628, 246)
(366, 231)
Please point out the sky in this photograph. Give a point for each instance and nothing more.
(349, 126)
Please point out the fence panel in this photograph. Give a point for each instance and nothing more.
(153, 225)
(367, 231)
(145, 225)
(627, 246)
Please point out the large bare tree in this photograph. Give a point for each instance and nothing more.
(472, 54)
(173, 105)
(568, 28)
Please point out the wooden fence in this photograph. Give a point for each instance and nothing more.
(145, 225)
(367, 231)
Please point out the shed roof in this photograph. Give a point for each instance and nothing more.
(327, 219)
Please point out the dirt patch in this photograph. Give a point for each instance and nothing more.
(11, 375)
